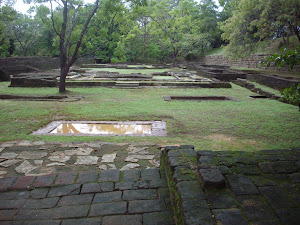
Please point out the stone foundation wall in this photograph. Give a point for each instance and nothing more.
(17, 65)
(275, 82)
(249, 62)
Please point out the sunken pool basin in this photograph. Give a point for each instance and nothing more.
(198, 98)
(104, 128)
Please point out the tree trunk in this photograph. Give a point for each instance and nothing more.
(62, 82)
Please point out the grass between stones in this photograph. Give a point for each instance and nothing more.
(250, 124)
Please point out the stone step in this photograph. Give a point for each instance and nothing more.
(127, 85)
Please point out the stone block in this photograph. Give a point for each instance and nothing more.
(6, 183)
(108, 209)
(145, 206)
(126, 185)
(39, 193)
(6, 215)
(289, 216)
(241, 185)
(150, 174)
(277, 197)
(23, 183)
(165, 218)
(72, 189)
(212, 178)
(76, 211)
(145, 194)
(229, 217)
(123, 220)
(190, 190)
(84, 221)
(284, 167)
(66, 178)
(114, 196)
(266, 167)
(110, 175)
(131, 175)
(12, 204)
(220, 199)
(196, 212)
(87, 176)
(34, 214)
(255, 208)
(84, 199)
(247, 169)
(44, 181)
(45, 203)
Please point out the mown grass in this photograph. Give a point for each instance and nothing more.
(249, 124)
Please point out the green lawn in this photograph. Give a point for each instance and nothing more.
(249, 124)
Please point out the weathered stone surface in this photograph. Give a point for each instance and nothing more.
(277, 197)
(141, 206)
(190, 190)
(289, 216)
(247, 169)
(165, 218)
(38, 162)
(146, 194)
(32, 155)
(9, 163)
(25, 167)
(79, 151)
(75, 211)
(131, 175)
(241, 185)
(130, 166)
(295, 177)
(111, 166)
(108, 158)
(44, 181)
(227, 161)
(87, 176)
(136, 158)
(56, 164)
(76, 200)
(123, 220)
(23, 182)
(196, 212)
(266, 167)
(1, 149)
(229, 217)
(114, 196)
(85, 221)
(12, 204)
(220, 199)
(150, 174)
(103, 167)
(212, 178)
(86, 160)
(110, 175)
(66, 178)
(59, 158)
(8, 155)
(103, 209)
(255, 207)
(39, 193)
(72, 189)
(45, 203)
(283, 167)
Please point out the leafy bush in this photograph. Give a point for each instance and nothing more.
(292, 95)
(287, 59)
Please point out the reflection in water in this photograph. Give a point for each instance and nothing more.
(94, 128)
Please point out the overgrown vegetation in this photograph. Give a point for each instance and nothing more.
(292, 95)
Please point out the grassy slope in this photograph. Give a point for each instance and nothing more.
(245, 125)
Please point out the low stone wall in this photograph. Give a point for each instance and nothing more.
(275, 82)
(248, 62)
(17, 65)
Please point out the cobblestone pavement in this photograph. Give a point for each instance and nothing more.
(228, 188)
(40, 158)
(130, 197)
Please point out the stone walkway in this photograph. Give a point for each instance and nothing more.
(40, 158)
(131, 197)
(228, 188)
(191, 187)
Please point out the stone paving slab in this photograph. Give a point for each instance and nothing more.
(40, 158)
(94, 199)
(233, 188)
